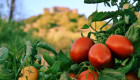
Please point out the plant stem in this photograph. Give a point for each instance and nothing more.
(105, 24)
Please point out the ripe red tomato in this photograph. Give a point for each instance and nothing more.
(132, 76)
(99, 55)
(72, 75)
(120, 46)
(88, 75)
(80, 48)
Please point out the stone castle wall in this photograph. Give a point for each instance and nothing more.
(60, 10)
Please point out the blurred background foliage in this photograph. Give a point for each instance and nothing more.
(57, 28)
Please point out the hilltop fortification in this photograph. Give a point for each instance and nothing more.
(59, 10)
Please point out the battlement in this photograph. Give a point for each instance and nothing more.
(60, 10)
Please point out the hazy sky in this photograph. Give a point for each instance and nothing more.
(35, 7)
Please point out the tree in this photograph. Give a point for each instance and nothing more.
(12, 8)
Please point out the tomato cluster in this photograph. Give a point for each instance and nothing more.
(100, 55)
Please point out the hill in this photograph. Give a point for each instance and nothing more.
(58, 26)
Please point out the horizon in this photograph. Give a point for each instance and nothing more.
(82, 8)
(28, 8)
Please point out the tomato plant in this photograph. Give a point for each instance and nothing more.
(99, 55)
(120, 46)
(80, 48)
(88, 75)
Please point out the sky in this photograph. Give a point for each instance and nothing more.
(35, 7)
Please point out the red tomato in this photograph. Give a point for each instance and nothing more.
(99, 55)
(87, 75)
(80, 48)
(132, 76)
(72, 75)
(120, 46)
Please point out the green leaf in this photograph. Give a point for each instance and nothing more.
(28, 55)
(65, 61)
(115, 26)
(44, 68)
(3, 54)
(133, 32)
(95, 1)
(41, 75)
(139, 73)
(48, 59)
(55, 67)
(118, 74)
(63, 57)
(100, 16)
(64, 76)
(136, 64)
(137, 47)
(85, 26)
(28, 48)
(47, 47)
(34, 53)
(6, 74)
(111, 74)
(73, 67)
(123, 63)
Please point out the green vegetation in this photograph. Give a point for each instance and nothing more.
(12, 34)
(32, 19)
(53, 28)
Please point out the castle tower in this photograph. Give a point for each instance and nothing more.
(45, 10)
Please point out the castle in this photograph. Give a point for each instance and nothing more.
(60, 10)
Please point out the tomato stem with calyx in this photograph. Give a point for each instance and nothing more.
(90, 67)
(87, 75)
(81, 69)
(93, 74)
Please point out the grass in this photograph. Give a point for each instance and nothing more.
(12, 34)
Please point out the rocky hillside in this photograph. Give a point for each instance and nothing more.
(58, 26)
